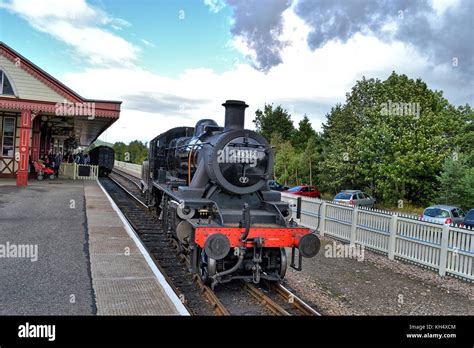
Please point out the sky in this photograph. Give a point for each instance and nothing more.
(173, 62)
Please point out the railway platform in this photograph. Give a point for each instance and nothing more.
(65, 249)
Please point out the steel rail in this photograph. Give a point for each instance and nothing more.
(264, 300)
(208, 294)
(131, 195)
(127, 176)
(294, 300)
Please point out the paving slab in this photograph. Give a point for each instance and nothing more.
(78, 257)
(123, 279)
(52, 218)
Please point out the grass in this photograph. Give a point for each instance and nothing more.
(408, 208)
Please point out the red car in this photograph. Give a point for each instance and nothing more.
(304, 190)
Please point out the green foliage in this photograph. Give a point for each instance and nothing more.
(464, 141)
(296, 159)
(456, 182)
(303, 134)
(138, 151)
(135, 152)
(394, 139)
(120, 148)
(284, 159)
(270, 121)
(394, 136)
(306, 162)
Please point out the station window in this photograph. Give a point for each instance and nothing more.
(8, 136)
(6, 87)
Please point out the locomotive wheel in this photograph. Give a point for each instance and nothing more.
(283, 263)
(207, 268)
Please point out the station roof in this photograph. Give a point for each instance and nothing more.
(90, 117)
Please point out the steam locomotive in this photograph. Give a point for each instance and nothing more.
(209, 186)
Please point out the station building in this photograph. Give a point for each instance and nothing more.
(39, 115)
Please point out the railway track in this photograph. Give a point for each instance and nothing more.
(160, 247)
(266, 298)
(279, 300)
(128, 177)
(128, 183)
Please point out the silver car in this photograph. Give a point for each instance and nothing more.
(443, 214)
(355, 197)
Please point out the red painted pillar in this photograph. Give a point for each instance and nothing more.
(35, 146)
(23, 164)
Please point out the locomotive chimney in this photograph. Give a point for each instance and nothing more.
(234, 114)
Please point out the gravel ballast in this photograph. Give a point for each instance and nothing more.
(374, 285)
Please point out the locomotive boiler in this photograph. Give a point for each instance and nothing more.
(209, 187)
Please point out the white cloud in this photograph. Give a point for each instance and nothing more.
(306, 82)
(80, 26)
(147, 43)
(440, 6)
(215, 5)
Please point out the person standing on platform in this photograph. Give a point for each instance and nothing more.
(78, 159)
(57, 163)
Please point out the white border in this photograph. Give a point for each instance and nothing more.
(161, 279)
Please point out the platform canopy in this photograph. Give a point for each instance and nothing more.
(39, 114)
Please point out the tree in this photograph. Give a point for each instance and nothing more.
(390, 138)
(456, 182)
(465, 138)
(134, 152)
(338, 156)
(284, 159)
(270, 121)
(138, 151)
(303, 134)
(120, 148)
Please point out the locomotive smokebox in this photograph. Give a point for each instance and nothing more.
(234, 114)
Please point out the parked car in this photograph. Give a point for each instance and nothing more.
(469, 219)
(355, 197)
(275, 186)
(304, 190)
(443, 214)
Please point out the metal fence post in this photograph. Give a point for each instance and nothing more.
(74, 171)
(355, 212)
(393, 235)
(298, 208)
(322, 218)
(443, 252)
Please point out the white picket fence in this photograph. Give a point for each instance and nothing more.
(448, 249)
(73, 171)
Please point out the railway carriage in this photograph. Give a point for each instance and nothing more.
(209, 186)
(104, 157)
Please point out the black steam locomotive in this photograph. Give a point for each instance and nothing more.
(209, 187)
